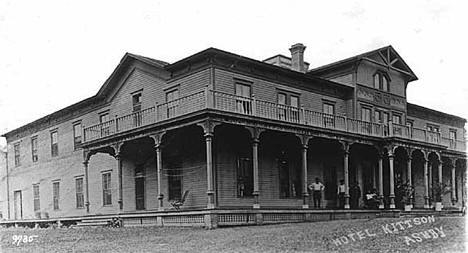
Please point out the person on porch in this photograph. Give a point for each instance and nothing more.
(317, 189)
(355, 195)
(341, 194)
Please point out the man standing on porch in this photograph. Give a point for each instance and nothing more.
(317, 189)
(341, 194)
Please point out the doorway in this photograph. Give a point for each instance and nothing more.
(139, 187)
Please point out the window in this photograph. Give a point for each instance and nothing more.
(288, 106)
(136, 105)
(381, 81)
(79, 192)
(136, 101)
(77, 135)
(106, 189)
(172, 102)
(289, 177)
(37, 203)
(34, 149)
(366, 114)
(409, 123)
(452, 134)
(175, 183)
(16, 149)
(56, 194)
(243, 98)
(433, 128)
(396, 119)
(329, 110)
(381, 116)
(244, 177)
(105, 127)
(54, 143)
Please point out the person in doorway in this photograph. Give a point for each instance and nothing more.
(355, 195)
(341, 194)
(316, 189)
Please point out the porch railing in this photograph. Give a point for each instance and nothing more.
(253, 107)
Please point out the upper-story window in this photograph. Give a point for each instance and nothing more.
(381, 81)
(34, 149)
(288, 106)
(54, 143)
(77, 135)
(329, 110)
(103, 118)
(172, 99)
(16, 149)
(452, 134)
(433, 128)
(396, 119)
(243, 97)
(136, 101)
(409, 123)
(381, 116)
(366, 114)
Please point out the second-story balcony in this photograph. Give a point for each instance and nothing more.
(209, 99)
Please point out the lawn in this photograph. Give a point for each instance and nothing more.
(448, 235)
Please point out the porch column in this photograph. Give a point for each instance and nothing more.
(430, 193)
(209, 170)
(86, 185)
(346, 174)
(305, 193)
(440, 171)
(453, 183)
(392, 179)
(408, 176)
(256, 191)
(381, 197)
(159, 175)
(118, 158)
(426, 183)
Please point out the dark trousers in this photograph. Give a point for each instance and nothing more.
(317, 198)
(341, 200)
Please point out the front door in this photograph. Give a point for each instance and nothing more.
(139, 188)
(18, 199)
(283, 167)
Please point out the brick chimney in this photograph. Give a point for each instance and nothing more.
(297, 57)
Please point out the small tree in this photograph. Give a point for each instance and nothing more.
(407, 191)
(439, 190)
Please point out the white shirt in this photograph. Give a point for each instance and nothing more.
(341, 188)
(316, 186)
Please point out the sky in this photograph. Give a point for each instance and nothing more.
(56, 53)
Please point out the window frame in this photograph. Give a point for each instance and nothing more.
(34, 152)
(54, 148)
(77, 140)
(56, 195)
(379, 76)
(106, 188)
(454, 132)
(36, 198)
(175, 175)
(366, 107)
(17, 153)
(79, 195)
(136, 105)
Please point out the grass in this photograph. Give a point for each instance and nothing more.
(298, 237)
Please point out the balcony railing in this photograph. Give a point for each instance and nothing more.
(253, 107)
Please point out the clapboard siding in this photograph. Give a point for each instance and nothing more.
(268, 91)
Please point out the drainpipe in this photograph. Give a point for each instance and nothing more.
(7, 183)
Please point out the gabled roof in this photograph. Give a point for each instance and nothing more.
(386, 56)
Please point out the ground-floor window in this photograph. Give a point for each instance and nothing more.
(79, 192)
(56, 194)
(37, 203)
(175, 183)
(106, 189)
(244, 177)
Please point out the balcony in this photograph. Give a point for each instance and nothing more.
(207, 99)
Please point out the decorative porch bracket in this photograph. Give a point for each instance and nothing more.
(117, 146)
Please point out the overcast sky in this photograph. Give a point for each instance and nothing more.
(56, 53)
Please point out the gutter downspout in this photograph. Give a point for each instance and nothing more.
(7, 183)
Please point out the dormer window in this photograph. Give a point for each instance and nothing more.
(381, 81)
